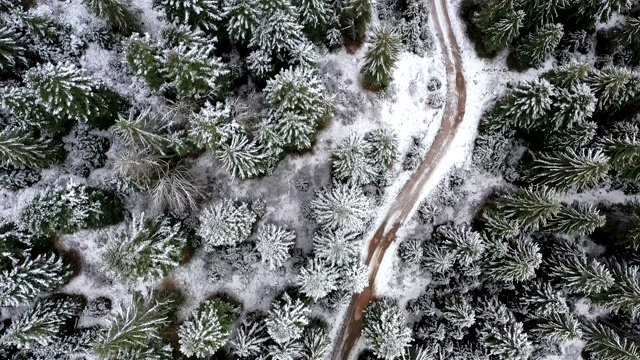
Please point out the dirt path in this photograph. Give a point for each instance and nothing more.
(406, 200)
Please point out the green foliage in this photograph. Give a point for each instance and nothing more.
(354, 18)
(624, 293)
(526, 107)
(532, 206)
(568, 75)
(20, 149)
(352, 161)
(384, 328)
(504, 31)
(571, 169)
(514, 261)
(12, 49)
(381, 58)
(558, 328)
(29, 277)
(13, 178)
(242, 157)
(243, 18)
(622, 146)
(194, 71)
(538, 45)
(27, 112)
(143, 57)
(580, 219)
(614, 86)
(118, 14)
(467, 245)
(203, 14)
(342, 207)
(226, 224)
(287, 319)
(608, 344)
(207, 328)
(140, 131)
(508, 341)
(573, 106)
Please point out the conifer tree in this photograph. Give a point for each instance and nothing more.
(624, 293)
(273, 244)
(278, 33)
(203, 14)
(207, 328)
(508, 341)
(12, 49)
(514, 261)
(577, 274)
(614, 86)
(133, 327)
(249, 339)
(384, 146)
(118, 14)
(243, 18)
(139, 131)
(354, 18)
(354, 277)
(571, 169)
(337, 247)
(558, 328)
(351, 161)
(381, 58)
(575, 105)
(317, 279)
(20, 149)
(143, 57)
(316, 344)
(242, 157)
(491, 12)
(542, 299)
(504, 31)
(27, 111)
(467, 245)
(458, 312)
(623, 149)
(384, 328)
(147, 249)
(194, 71)
(28, 278)
(568, 75)
(287, 319)
(315, 14)
(438, 259)
(580, 219)
(225, 224)
(528, 106)
(341, 207)
(532, 206)
(606, 343)
(538, 45)
(499, 227)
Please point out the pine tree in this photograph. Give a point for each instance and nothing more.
(624, 293)
(623, 148)
(341, 207)
(273, 244)
(28, 278)
(504, 31)
(242, 157)
(20, 149)
(315, 14)
(26, 111)
(381, 58)
(351, 161)
(515, 261)
(491, 11)
(140, 131)
(384, 146)
(576, 273)
(317, 279)
(606, 343)
(568, 75)
(354, 277)
(571, 169)
(614, 86)
(118, 14)
(538, 45)
(354, 18)
(603, 10)
(213, 125)
(542, 299)
(278, 33)
(207, 328)
(532, 206)
(225, 224)
(458, 312)
(298, 103)
(575, 105)
(384, 328)
(580, 219)
(337, 247)
(528, 106)
(249, 339)
(147, 249)
(467, 245)
(133, 326)
(243, 18)
(12, 49)
(438, 259)
(499, 227)
(173, 188)
(143, 57)
(558, 328)
(204, 14)
(287, 319)
(194, 71)
(66, 92)
(316, 343)
(541, 12)
(508, 341)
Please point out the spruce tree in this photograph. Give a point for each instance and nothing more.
(249, 339)
(579, 219)
(354, 18)
(499, 227)
(203, 14)
(527, 107)
(532, 206)
(278, 33)
(467, 245)
(194, 71)
(225, 224)
(504, 31)
(624, 293)
(316, 343)
(459, 313)
(274, 244)
(354, 277)
(140, 131)
(575, 105)
(514, 261)
(614, 87)
(491, 11)
(118, 14)
(568, 75)
(242, 157)
(571, 169)
(381, 58)
(337, 247)
(207, 328)
(384, 328)
(26, 111)
(538, 45)
(243, 18)
(438, 259)
(384, 146)
(20, 149)
(341, 207)
(143, 57)
(577, 274)
(12, 49)
(287, 319)
(606, 343)
(315, 14)
(508, 341)
(623, 149)
(351, 161)
(28, 278)
(317, 279)
(558, 328)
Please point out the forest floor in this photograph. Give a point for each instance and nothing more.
(407, 200)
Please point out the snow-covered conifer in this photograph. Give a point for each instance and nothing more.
(243, 18)
(542, 299)
(605, 342)
(143, 57)
(384, 328)
(26, 111)
(458, 312)
(438, 259)
(558, 328)
(26, 279)
(580, 219)
(515, 261)
(286, 351)
(538, 45)
(614, 86)
(342, 207)
(568, 75)
(140, 131)
(467, 245)
(624, 293)
(315, 14)
(174, 189)
(571, 169)
(147, 249)
(203, 14)
(384, 146)
(12, 49)
(241, 156)
(354, 18)
(499, 227)
(381, 58)
(318, 279)
(337, 247)
(260, 64)
(532, 206)
(577, 274)
(527, 106)
(13, 178)
(354, 277)
(504, 31)
(575, 105)
(278, 33)
(508, 341)
(195, 71)
(623, 148)
(225, 224)
(249, 339)
(287, 319)
(273, 244)
(206, 329)
(316, 344)
(352, 163)
(118, 14)
(19, 149)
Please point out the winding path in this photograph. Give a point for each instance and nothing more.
(408, 197)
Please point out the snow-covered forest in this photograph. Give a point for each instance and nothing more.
(319, 179)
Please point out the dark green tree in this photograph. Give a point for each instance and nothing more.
(354, 18)
(571, 169)
(381, 58)
(538, 45)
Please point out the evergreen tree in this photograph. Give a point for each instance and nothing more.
(558, 328)
(249, 339)
(28, 278)
(603, 10)
(532, 206)
(580, 219)
(606, 343)
(317, 279)
(499, 227)
(354, 277)
(26, 111)
(514, 261)
(298, 104)
(354, 18)
(381, 58)
(504, 31)
(13, 178)
(575, 105)
(213, 125)
(491, 12)
(273, 244)
(527, 106)
(542, 299)
(316, 343)
(225, 224)
(467, 245)
(341, 207)
(66, 92)
(243, 18)
(20, 149)
(507, 341)
(623, 148)
(207, 328)
(133, 327)
(118, 14)
(336, 247)
(204, 14)
(12, 49)
(278, 33)
(242, 157)
(143, 57)
(384, 146)
(571, 169)
(287, 319)
(351, 161)
(438, 259)
(315, 14)
(384, 328)
(147, 249)
(614, 86)
(538, 45)
(174, 189)
(624, 293)
(568, 75)
(458, 312)
(141, 132)
(194, 71)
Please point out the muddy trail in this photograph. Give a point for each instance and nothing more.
(406, 200)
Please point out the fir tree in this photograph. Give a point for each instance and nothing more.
(286, 351)
(244, 17)
(504, 31)
(575, 105)
(354, 18)
(558, 328)
(317, 279)
(260, 64)
(508, 341)
(118, 14)
(381, 58)
(342, 207)
(576, 273)
(338, 247)
(315, 14)
(12, 49)
(278, 33)
(225, 224)
(438, 259)
(206, 329)
(606, 343)
(20, 149)
(143, 57)
(204, 14)
(195, 71)
(26, 111)
(467, 245)
(287, 319)
(571, 169)
(351, 162)
(384, 146)
(603, 10)
(491, 11)
(538, 45)
(249, 339)
(273, 244)
(532, 206)
(580, 219)
(147, 249)
(528, 106)
(541, 12)
(354, 277)
(316, 344)
(568, 75)
(384, 328)
(139, 131)
(26, 279)
(499, 227)
(458, 312)
(542, 299)
(515, 261)
(614, 86)
(624, 293)
(623, 148)
(242, 157)
(213, 125)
